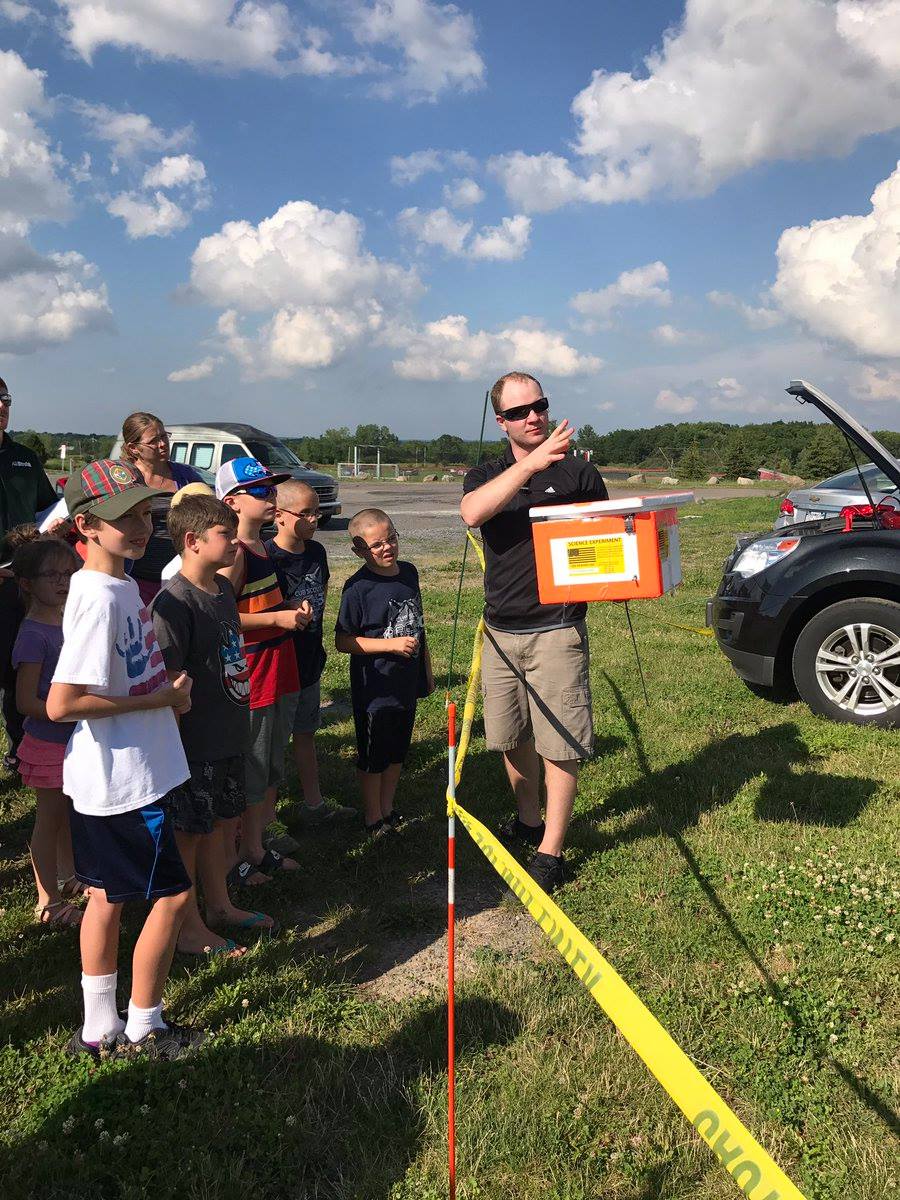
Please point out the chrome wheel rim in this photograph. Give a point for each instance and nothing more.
(858, 669)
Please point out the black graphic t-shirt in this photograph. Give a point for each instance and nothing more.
(384, 606)
(304, 577)
(201, 634)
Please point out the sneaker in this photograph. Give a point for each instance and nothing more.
(175, 1041)
(514, 830)
(107, 1047)
(548, 871)
(10, 762)
(322, 814)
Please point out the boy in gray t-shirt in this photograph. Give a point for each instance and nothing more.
(199, 631)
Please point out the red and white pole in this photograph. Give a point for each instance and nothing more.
(451, 950)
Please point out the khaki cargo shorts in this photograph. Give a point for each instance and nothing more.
(537, 685)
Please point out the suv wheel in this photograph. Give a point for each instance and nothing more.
(846, 662)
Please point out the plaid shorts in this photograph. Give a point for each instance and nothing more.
(214, 792)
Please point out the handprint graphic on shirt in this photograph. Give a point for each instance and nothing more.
(135, 653)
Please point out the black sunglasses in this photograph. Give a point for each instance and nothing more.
(521, 411)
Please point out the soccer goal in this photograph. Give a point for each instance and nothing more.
(359, 466)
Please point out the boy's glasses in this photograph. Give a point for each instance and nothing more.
(520, 411)
(259, 491)
(311, 514)
(391, 540)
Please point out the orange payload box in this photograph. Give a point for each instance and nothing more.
(608, 549)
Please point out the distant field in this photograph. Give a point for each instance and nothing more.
(734, 860)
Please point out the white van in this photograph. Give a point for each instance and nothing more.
(207, 446)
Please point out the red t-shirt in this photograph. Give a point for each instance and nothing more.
(270, 652)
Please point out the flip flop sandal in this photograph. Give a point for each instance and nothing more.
(257, 920)
(59, 913)
(211, 951)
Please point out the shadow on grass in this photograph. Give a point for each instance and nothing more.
(250, 1115)
(785, 796)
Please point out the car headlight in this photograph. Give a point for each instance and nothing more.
(759, 555)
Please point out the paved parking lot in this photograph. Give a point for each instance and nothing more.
(427, 514)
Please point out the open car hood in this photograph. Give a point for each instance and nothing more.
(807, 393)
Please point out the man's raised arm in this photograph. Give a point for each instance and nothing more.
(486, 501)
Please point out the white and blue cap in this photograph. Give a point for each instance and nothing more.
(245, 472)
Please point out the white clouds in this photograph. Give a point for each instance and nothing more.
(504, 242)
(179, 171)
(47, 300)
(756, 316)
(671, 335)
(669, 401)
(301, 255)
(876, 385)
(462, 193)
(148, 216)
(439, 227)
(411, 167)
(642, 285)
(436, 44)
(129, 134)
(841, 277)
(30, 185)
(307, 271)
(432, 45)
(13, 10)
(446, 349)
(731, 87)
(197, 370)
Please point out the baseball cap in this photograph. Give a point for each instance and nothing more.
(245, 472)
(106, 488)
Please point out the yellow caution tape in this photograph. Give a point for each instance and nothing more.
(748, 1164)
(690, 628)
(756, 1175)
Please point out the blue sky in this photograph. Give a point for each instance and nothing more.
(308, 215)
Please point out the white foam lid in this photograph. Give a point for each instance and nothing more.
(610, 508)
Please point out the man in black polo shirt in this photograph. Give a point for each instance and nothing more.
(536, 683)
(24, 491)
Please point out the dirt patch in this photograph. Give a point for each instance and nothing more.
(503, 932)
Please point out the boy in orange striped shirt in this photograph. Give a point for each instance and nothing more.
(268, 627)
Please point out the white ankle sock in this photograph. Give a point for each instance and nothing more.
(100, 1016)
(142, 1021)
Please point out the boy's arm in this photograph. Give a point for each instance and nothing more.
(73, 701)
(27, 702)
(349, 643)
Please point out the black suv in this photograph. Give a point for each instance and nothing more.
(816, 606)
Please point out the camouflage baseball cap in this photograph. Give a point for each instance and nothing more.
(107, 488)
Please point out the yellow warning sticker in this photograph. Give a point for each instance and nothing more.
(596, 556)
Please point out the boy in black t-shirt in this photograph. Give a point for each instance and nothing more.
(199, 631)
(301, 566)
(380, 624)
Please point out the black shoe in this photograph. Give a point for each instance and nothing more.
(378, 829)
(175, 1041)
(548, 871)
(394, 821)
(105, 1048)
(514, 830)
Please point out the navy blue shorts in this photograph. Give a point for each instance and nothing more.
(130, 855)
(383, 736)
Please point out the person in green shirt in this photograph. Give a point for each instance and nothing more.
(25, 491)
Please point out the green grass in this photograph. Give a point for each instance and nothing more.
(734, 859)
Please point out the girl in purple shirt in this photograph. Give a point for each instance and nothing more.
(43, 567)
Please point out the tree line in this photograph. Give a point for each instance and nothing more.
(691, 449)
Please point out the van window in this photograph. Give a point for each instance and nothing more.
(232, 450)
(202, 455)
(273, 453)
(178, 452)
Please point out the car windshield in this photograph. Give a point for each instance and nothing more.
(848, 481)
(273, 454)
